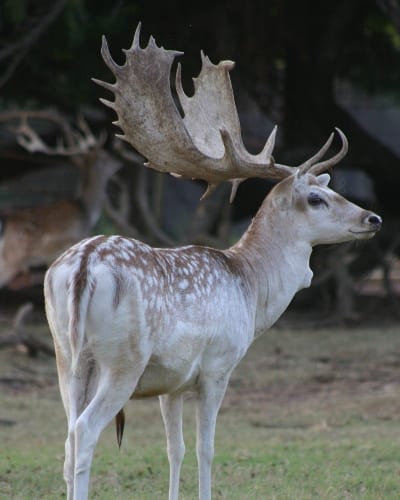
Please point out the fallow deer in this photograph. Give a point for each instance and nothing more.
(35, 236)
(133, 321)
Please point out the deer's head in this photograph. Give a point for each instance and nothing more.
(318, 214)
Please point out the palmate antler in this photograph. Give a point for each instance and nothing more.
(206, 142)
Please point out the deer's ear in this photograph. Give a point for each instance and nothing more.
(323, 180)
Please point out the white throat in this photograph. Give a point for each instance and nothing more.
(282, 282)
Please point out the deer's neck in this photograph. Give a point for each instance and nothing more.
(275, 260)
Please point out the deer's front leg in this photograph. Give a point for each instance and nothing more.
(171, 410)
(208, 403)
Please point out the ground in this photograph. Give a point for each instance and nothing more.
(309, 413)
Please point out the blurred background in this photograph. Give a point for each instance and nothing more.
(304, 65)
(314, 405)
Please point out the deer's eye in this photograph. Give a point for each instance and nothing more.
(315, 200)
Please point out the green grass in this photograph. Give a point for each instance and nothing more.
(309, 414)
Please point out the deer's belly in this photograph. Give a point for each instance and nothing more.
(160, 379)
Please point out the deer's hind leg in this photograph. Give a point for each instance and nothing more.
(114, 387)
(76, 389)
(69, 387)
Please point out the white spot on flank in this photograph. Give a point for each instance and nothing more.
(183, 284)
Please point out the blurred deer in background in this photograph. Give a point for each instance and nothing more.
(35, 236)
(133, 321)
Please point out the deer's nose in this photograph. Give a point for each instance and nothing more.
(375, 221)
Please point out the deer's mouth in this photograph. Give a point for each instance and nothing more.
(363, 233)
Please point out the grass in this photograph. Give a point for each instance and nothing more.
(308, 414)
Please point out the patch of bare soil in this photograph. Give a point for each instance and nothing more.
(337, 371)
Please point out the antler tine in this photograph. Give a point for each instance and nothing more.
(322, 166)
(28, 138)
(265, 170)
(105, 52)
(209, 190)
(310, 165)
(136, 38)
(270, 144)
(87, 139)
(304, 167)
(314, 168)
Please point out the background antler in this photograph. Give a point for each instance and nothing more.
(72, 142)
(206, 144)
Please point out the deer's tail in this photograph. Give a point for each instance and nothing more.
(120, 425)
